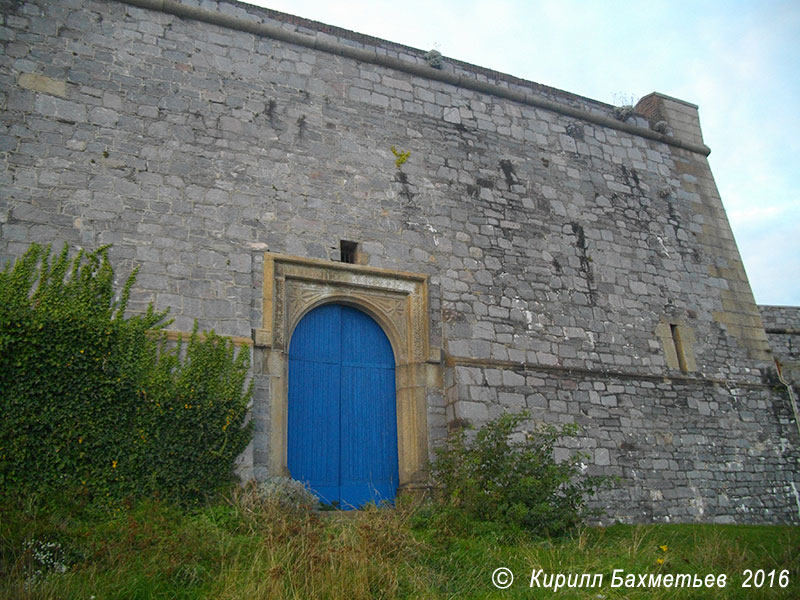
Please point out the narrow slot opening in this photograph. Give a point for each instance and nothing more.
(348, 251)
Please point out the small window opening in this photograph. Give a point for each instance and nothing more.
(348, 251)
(679, 351)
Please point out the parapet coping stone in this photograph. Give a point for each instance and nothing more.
(186, 11)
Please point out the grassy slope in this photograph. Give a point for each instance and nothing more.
(237, 549)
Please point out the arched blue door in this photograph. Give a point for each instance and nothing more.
(342, 422)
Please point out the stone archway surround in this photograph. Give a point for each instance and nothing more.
(397, 300)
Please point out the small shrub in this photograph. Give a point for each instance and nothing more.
(661, 127)
(287, 493)
(511, 478)
(623, 113)
(434, 58)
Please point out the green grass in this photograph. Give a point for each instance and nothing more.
(240, 548)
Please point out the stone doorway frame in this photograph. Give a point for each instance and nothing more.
(397, 300)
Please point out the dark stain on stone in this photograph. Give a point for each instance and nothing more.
(575, 131)
(405, 191)
(508, 172)
(585, 262)
(270, 111)
(631, 177)
(578, 231)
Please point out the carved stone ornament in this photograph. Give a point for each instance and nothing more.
(397, 300)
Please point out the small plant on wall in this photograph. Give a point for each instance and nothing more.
(400, 156)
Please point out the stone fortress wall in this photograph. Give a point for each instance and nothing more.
(782, 324)
(536, 250)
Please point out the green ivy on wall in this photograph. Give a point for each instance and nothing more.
(100, 404)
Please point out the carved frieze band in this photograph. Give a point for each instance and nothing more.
(302, 296)
(397, 300)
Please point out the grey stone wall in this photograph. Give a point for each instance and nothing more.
(782, 324)
(683, 451)
(563, 246)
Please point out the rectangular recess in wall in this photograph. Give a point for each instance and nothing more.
(348, 251)
(679, 350)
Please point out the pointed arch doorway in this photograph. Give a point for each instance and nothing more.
(342, 416)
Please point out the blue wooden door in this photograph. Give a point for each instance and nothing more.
(342, 423)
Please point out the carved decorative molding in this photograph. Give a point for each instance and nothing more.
(397, 300)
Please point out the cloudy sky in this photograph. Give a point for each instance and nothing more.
(739, 61)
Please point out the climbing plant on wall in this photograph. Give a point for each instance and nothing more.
(99, 403)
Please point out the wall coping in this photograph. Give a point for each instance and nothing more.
(178, 9)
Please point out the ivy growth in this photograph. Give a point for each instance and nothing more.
(98, 403)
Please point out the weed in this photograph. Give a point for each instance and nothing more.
(400, 156)
(509, 477)
(247, 548)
